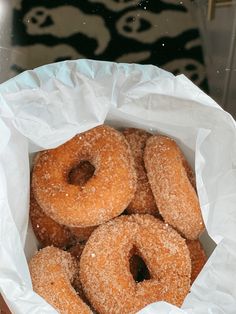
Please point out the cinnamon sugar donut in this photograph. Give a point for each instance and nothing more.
(197, 256)
(52, 271)
(104, 196)
(174, 193)
(143, 201)
(104, 265)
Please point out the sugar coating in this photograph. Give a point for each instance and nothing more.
(143, 201)
(171, 179)
(105, 269)
(105, 195)
(197, 256)
(52, 272)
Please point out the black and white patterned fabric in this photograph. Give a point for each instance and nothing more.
(159, 32)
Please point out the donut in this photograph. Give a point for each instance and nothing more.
(52, 271)
(105, 272)
(143, 201)
(104, 196)
(197, 256)
(175, 196)
(47, 231)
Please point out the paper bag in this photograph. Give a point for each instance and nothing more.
(47, 106)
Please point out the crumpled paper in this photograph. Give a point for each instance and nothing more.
(47, 106)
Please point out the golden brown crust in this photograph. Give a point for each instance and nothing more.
(52, 271)
(197, 256)
(143, 201)
(104, 196)
(175, 196)
(105, 272)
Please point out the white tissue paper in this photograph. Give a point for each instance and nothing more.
(47, 106)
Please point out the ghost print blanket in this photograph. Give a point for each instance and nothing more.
(158, 32)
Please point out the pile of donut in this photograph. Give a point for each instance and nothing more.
(118, 220)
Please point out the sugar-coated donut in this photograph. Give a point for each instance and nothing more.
(105, 272)
(198, 257)
(47, 231)
(143, 201)
(174, 193)
(52, 271)
(104, 196)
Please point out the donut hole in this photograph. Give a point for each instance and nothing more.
(81, 173)
(138, 268)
